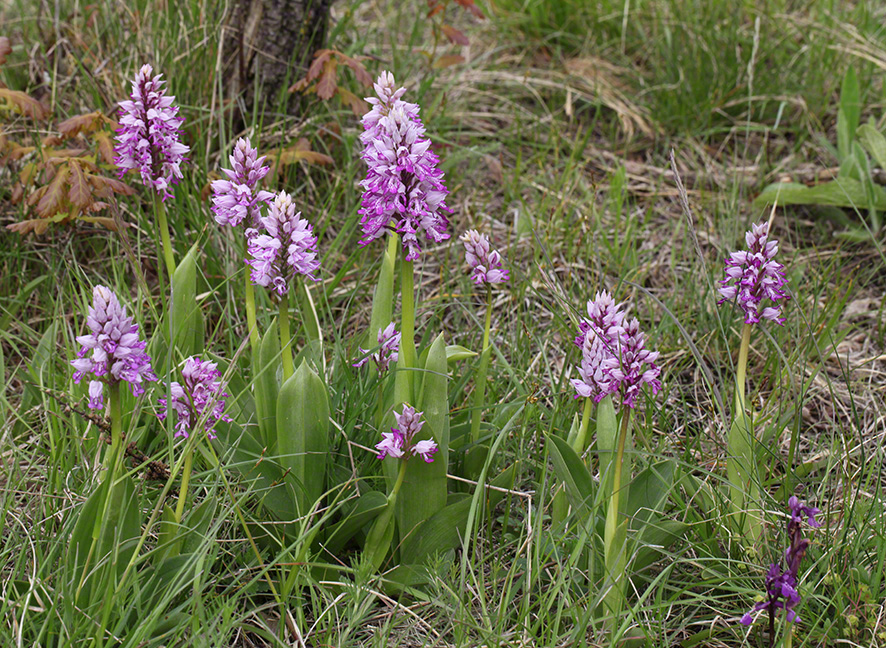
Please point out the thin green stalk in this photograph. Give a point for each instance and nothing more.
(741, 450)
(407, 326)
(251, 320)
(742, 370)
(115, 457)
(788, 635)
(285, 339)
(163, 225)
(480, 381)
(186, 480)
(580, 442)
(615, 532)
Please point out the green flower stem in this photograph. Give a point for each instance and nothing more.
(407, 326)
(788, 635)
(392, 498)
(115, 457)
(615, 532)
(251, 320)
(163, 225)
(379, 403)
(742, 370)
(480, 380)
(186, 480)
(285, 338)
(741, 451)
(580, 442)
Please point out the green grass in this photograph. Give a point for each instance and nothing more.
(565, 165)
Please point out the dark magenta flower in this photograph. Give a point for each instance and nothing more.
(781, 584)
(485, 263)
(235, 199)
(112, 350)
(149, 133)
(753, 277)
(199, 396)
(403, 189)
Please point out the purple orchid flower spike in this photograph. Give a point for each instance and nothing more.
(148, 139)
(234, 198)
(403, 189)
(285, 247)
(485, 263)
(755, 278)
(399, 442)
(388, 345)
(112, 350)
(199, 396)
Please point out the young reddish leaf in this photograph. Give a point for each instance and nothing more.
(36, 195)
(105, 146)
(18, 192)
(355, 103)
(51, 201)
(302, 151)
(28, 106)
(5, 48)
(17, 152)
(363, 77)
(80, 124)
(435, 9)
(51, 141)
(79, 194)
(327, 86)
(448, 60)
(470, 6)
(454, 35)
(298, 86)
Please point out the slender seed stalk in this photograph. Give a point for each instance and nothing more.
(482, 370)
(407, 290)
(163, 225)
(285, 339)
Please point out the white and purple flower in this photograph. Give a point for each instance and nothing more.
(399, 443)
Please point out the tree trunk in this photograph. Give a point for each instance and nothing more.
(267, 46)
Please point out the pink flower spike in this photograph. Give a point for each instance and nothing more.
(149, 134)
(388, 349)
(425, 449)
(199, 396)
(403, 190)
(485, 263)
(398, 443)
(235, 199)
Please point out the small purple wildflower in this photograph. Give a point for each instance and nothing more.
(781, 585)
(614, 357)
(115, 351)
(403, 183)
(235, 199)
(286, 247)
(200, 396)
(753, 276)
(149, 132)
(398, 443)
(388, 345)
(485, 262)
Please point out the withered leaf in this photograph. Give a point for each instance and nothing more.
(327, 86)
(77, 124)
(448, 60)
(5, 48)
(355, 103)
(470, 6)
(27, 105)
(36, 225)
(79, 194)
(51, 201)
(363, 77)
(105, 146)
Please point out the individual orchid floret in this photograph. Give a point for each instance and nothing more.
(148, 139)
(199, 397)
(599, 339)
(636, 365)
(403, 189)
(398, 443)
(283, 247)
(486, 265)
(388, 345)
(781, 584)
(753, 276)
(235, 198)
(112, 350)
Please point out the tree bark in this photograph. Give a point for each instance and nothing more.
(267, 46)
